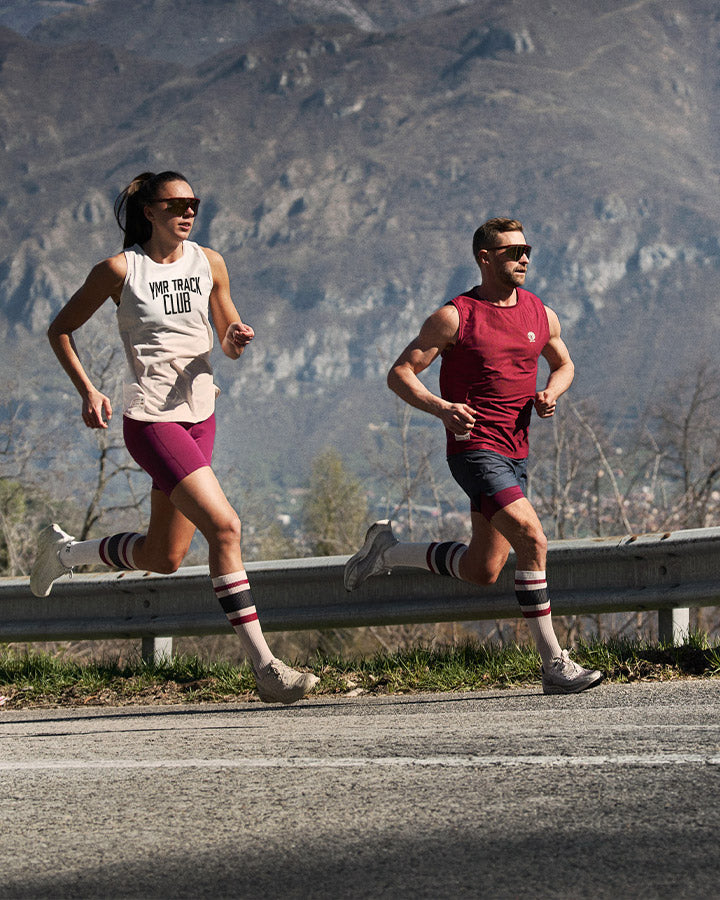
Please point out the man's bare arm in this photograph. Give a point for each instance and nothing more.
(562, 369)
(439, 331)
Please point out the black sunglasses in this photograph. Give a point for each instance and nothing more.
(178, 205)
(514, 251)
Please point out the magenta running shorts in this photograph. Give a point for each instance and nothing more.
(169, 451)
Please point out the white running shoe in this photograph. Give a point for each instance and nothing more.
(567, 677)
(48, 567)
(369, 558)
(278, 683)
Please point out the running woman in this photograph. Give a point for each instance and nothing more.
(490, 340)
(167, 290)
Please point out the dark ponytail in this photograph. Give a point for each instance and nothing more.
(130, 205)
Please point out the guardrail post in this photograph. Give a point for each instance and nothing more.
(673, 626)
(157, 649)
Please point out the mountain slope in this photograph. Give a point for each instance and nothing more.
(343, 171)
(183, 30)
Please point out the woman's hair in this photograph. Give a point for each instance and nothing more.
(130, 205)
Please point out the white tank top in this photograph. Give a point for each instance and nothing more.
(164, 322)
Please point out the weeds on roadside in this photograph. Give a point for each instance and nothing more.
(40, 679)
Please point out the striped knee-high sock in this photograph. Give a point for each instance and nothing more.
(532, 595)
(233, 592)
(442, 558)
(115, 551)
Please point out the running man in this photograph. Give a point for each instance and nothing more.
(490, 340)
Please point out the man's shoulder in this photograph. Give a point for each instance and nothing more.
(447, 313)
(523, 292)
(470, 294)
(534, 300)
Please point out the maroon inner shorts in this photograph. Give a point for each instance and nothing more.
(169, 451)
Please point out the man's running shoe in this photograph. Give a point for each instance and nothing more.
(567, 677)
(369, 558)
(278, 683)
(48, 567)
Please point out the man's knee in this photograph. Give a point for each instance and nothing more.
(481, 571)
(530, 540)
(536, 537)
(487, 576)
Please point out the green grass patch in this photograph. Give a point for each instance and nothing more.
(40, 679)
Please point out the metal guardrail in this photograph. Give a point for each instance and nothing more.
(665, 572)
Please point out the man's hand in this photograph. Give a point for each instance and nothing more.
(544, 404)
(458, 418)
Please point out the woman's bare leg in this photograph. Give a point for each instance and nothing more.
(168, 538)
(202, 502)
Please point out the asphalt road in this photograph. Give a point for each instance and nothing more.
(613, 793)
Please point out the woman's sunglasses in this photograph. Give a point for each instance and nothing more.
(514, 252)
(178, 205)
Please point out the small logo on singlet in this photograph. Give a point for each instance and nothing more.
(531, 337)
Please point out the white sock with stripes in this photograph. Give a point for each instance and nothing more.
(115, 551)
(532, 595)
(233, 592)
(442, 558)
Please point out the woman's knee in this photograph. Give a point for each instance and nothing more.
(163, 560)
(227, 530)
(168, 565)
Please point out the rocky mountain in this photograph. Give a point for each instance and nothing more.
(215, 24)
(344, 153)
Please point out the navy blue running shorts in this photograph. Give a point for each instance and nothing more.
(491, 481)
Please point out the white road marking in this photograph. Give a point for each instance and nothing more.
(352, 762)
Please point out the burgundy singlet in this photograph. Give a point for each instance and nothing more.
(493, 368)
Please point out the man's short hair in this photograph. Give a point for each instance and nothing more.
(486, 235)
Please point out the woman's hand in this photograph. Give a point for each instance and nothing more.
(237, 337)
(96, 410)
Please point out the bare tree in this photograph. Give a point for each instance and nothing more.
(408, 458)
(689, 433)
(105, 366)
(557, 475)
(606, 467)
(25, 501)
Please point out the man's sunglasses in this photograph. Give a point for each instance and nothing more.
(178, 205)
(514, 251)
